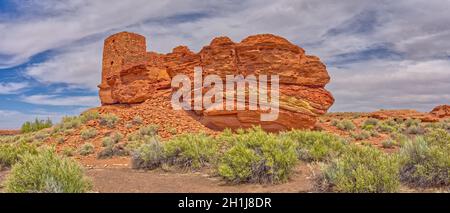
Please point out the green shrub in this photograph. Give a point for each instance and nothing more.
(415, 130)
(36, 125)
(47, 172)
(426, 161)
(346, 125)
(361, 169)
(113, 150)
(257, 156)
(370, 124)
(86, 149)
(88, 133)
(315, 146)
(109, 120)
(383, 127)
(363, 135)
(191, 150)
(71, 122)
(113, 139)
(150, 130)
(399, 138)
(89, 115)
(148, 156)
(11, 153)
(68, 151)
(412, 122)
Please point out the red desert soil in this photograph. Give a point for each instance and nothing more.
(158, 181)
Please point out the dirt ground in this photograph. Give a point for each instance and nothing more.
(112, 180)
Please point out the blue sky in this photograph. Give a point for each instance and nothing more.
(383, 54)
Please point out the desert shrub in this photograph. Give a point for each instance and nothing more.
(385, 128)
(113, 139)
(191, 150)
(68, 151)
(109, 120)
(257, 156)
(315, 146)
(89, 115)
(11, 153)
(148, 156)
(47, 172)
(113, 150)
(388, 144)
(36, 125)
(415, 130)
(361, 169)
(41, 135)
(399, 138)
(346, 125)
(71, 122)
(149, 130)
(411, 122)
(137, 120)
(425, 161)
(374, 133)
(370, 124)
(88, 133)
(86, 149)
(363, 135)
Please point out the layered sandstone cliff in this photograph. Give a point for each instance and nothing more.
(132, 75)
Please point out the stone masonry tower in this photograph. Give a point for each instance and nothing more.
(121, 51)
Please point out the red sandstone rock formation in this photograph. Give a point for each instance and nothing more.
(403, 114)
(132, 75)
(442, 111)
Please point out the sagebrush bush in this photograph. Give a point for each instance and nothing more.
(361, 169)
(86, 149)
(385, 128)
(36, 125)
(71, 122)
(148, 156)
(109, 120)
(370, 124)
(68, 151)
(191, 150)
(415, 130)
(411, 122)
(88, 133)
(345, 125)
(425, 161)
(315, 146)
(257, 156)
(112, 139)
(89, 115)
(11, 153)
(113, 150)
(362, 135)
(46, 172)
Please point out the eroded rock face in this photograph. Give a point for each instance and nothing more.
(442, 111)
(133, 75)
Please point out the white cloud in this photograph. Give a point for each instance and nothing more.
(371, 85)
(12, 88)
(53, 100)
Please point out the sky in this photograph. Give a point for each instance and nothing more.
(379, 54)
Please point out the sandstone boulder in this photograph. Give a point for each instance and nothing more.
(132, 75)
